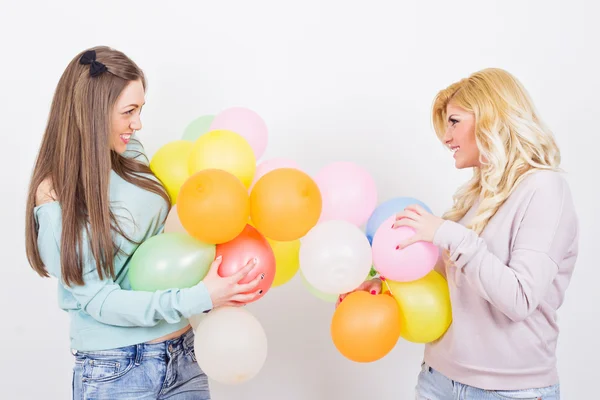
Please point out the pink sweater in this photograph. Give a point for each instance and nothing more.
(505, 288)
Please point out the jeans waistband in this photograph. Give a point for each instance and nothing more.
(185, 343)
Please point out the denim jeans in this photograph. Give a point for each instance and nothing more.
(432, 385)
(166, 370)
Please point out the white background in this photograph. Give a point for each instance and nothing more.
(334, 80)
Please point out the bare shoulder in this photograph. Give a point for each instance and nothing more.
(45, 192)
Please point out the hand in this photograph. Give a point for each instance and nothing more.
(424, 223)
(227, 291)
(372, 286)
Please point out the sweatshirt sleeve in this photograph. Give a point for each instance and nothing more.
(103, 299)
(545, 236)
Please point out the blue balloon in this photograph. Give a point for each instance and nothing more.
(386, 210)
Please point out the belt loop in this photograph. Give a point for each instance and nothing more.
(138, 354)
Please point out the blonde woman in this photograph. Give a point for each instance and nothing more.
(510, 243)
(92, 201)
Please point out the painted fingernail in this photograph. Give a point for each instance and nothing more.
(382, 278)
(398, 247)
(373, 292)
(262, 276)
(260, 291)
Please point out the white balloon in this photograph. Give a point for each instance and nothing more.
(230, 345)
(335, 257)
(195, 320)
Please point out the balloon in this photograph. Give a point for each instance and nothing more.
(328, 297)
(172, 223)
(285, 204)
(239, 251)
(287, 260)
(270, 165)
(223, 150)
(365, 327)
(169, 260)
(349, 193)
(213, 206)
(425, 308)
(335, 257)
(405, 265)
(386, 210)
(170, 165)
(198, 127)
(230, 345)
(245, 122)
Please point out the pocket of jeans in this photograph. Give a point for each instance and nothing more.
(192, 354)
(189, 346)
(104, 369)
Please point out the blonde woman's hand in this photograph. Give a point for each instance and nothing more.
(372, 286)
(424, 223)
(227, 291)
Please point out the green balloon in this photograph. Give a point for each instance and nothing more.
(170, 260)
(330, 298)
(198, 127)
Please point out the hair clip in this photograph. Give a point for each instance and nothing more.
(96, 67)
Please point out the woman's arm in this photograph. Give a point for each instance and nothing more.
(546, 235)
(103, 299)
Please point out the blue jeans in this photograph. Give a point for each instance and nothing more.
(432, 385)
(166, 370)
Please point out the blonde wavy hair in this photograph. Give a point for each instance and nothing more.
(512, 140)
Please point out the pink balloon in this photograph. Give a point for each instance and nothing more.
(270, 165)
(406, 265)
(349, 193)
(245, 123)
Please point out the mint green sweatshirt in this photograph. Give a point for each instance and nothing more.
(106, 313)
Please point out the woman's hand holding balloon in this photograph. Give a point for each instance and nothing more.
(372, 286)
(226, 291)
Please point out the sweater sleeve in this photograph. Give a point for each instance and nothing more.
(103, 299)
(546, 235)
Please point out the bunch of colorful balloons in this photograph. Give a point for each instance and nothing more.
(223, 203)
(414, 303)
(228, 201)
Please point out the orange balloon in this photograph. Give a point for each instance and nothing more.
(213, 206)
(285, 204)
(366, 327)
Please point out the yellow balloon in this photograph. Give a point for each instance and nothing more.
(425, 309)
(170, 165)
(226, 150)
(287, 260)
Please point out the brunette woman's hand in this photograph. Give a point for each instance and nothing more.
(227, 291)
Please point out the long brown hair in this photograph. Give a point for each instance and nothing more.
(75, 155)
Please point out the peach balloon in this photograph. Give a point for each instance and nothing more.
(239, 251)
(173, 224)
